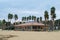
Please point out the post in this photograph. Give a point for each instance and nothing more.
(31, 28)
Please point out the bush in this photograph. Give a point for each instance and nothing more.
(10, 28)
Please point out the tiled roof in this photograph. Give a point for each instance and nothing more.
(31, 24)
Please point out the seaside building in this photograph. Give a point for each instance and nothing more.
(31, 26)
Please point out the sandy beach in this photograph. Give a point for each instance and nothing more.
(26, 35)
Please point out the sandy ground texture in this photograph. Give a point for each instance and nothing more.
(26, 35)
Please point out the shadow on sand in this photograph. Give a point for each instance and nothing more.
(6, 37)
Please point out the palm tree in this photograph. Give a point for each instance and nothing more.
(40, 19)
(10, 16)
(3, 24)
(34, 18)
(46, 16)
(23, 18)
(53, 15)
(15, 17)
(29, 17)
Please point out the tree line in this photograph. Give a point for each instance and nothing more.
(34, 18)
(39, 19)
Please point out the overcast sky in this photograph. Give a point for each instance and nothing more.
(28, 7)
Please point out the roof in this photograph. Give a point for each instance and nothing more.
(30, 24)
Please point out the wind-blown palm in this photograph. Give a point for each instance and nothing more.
(15, 17)
(53, 15)
(46, 16)
(10, 16)
(40, 19)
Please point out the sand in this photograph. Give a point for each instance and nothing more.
(29, 35)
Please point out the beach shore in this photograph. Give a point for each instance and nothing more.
(28, 35)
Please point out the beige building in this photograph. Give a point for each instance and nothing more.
(31, 26)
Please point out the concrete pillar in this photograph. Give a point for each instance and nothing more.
(37, 27)
(31, 28)
(15, 28)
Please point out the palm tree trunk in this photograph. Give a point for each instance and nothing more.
(15, 22)
(45, 24)
(53, 24)
(10, 22)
